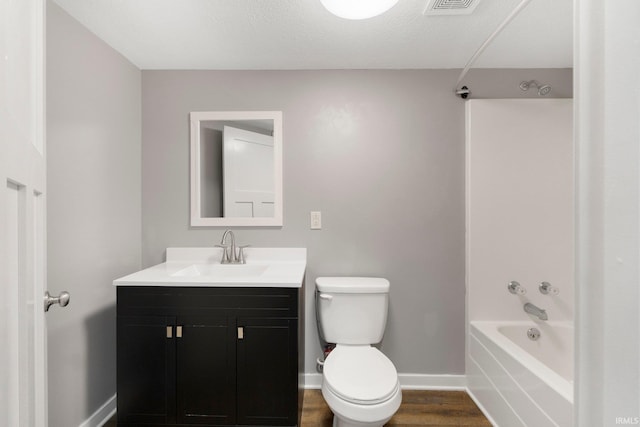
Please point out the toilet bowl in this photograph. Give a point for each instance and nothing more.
(359, 383)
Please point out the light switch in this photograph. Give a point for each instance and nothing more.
(316, 220)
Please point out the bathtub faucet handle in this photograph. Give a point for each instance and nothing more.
(546, 288)
(516, 288)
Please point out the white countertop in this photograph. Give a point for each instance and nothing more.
(200, 267)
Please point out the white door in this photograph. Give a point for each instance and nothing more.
(248, 174)
(22, 214)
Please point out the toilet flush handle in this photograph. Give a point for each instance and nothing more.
(326, 296)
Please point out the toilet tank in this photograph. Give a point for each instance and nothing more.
(352, 310)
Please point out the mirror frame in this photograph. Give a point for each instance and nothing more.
(197, 220)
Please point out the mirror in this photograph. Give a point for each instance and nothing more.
(236, 168)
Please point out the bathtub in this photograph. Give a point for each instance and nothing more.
(519, 382)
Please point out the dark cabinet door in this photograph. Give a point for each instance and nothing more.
(267, 372)
(146, 372)
(205, 370)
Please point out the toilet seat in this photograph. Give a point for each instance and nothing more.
(361, 375)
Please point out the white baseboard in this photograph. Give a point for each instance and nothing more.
(432, 382)
(102, 414)
(408, 382)
(312, 381)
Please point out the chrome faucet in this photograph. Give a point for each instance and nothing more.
(538, 312)
(229, 253)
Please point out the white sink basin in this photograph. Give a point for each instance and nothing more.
(265, 267)
(222, 270)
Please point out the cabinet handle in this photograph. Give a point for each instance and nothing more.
(169, 331)
(178, 331)
(240, 333)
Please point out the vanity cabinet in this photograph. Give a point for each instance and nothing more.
(209, 356)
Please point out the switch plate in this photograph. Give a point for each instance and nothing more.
(316, 220)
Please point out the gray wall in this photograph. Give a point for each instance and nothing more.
(379, 153)
(93, 218)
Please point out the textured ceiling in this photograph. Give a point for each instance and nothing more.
(301, 34)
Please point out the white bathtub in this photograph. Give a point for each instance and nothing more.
(520, 382)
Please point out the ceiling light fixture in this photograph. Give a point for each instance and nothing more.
(358, 9)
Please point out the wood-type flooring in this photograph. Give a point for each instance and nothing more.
(423, 408)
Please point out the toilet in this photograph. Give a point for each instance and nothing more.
(359, 383)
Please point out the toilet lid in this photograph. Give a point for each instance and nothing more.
(360, 374)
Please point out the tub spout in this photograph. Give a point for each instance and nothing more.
(538, 312)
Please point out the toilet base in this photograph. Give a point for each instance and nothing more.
(375, 415)
(341, 422)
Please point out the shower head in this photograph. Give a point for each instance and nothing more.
(542, 89)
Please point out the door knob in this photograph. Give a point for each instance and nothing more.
(62, 299)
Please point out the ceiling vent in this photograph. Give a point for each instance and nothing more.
(450, 7)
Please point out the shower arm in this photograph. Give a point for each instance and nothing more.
(484, 45)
